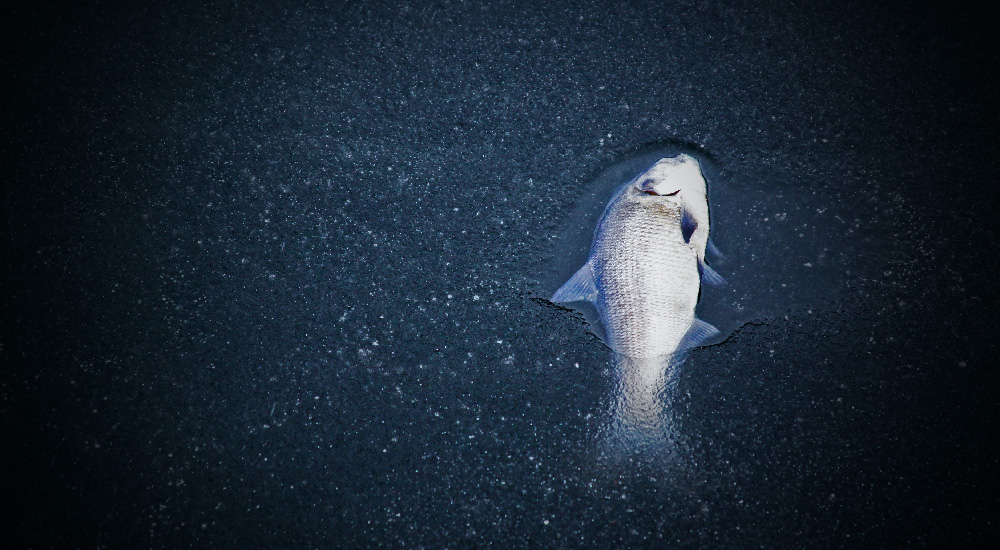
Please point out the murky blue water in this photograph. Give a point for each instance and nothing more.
(279, 277)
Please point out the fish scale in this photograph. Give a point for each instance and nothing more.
(647, 263)
(648, 273)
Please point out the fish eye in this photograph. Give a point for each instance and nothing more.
(646, 186)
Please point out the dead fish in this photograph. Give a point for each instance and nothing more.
(647, 262)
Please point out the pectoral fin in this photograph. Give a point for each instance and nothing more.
(688, 225)
(714, 251)
(699, 333)
(579, 288)
(709, 276)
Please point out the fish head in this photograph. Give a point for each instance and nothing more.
(672, 177)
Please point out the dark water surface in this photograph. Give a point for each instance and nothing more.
(278, 277)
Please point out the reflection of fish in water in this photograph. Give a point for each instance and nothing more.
(647, 262)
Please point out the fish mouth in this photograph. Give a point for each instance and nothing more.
(655, 194)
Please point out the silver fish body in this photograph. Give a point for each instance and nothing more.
(647, 261)
(646, 274)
